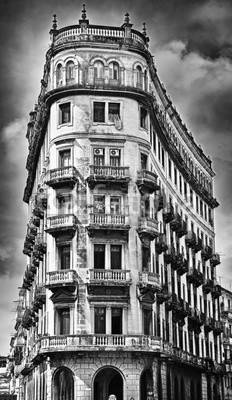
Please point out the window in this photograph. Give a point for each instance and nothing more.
(175, 176)
(115, 157)
(65, 113)
(99, 157)
(147, 320)
(70, 73)
(63, 321)
(100, 320)
(59, 75)
(191, 197)
(154, 142)
(99, 204)
(180, 183)
(143, 161)
(145, 258)
(170, 168)
(116, 256)
(98, 111)
(114, 71)
(185, 190)
(65, 158)
(197, 204)
(64, 204)
(116, 321)
(115, 205)
(143, 117)
(139, 80)
(64, 256)
(163, 157)
(113, 112)
(201, 208)
(98, 70)
(99, 256)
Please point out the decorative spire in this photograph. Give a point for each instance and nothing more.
(54, 23)
(127, 18)
(83, 15)
(144, 30)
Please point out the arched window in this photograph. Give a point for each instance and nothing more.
(59, 75)
(114, 71)
(70, 78)
(63, 384)
(139, 81)
(98, 71)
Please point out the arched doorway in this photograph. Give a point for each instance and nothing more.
(108, 381)
(199, 395)
(146, 385)
(63, 384)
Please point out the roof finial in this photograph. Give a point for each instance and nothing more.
(83, 15)
(127, 18)
(144, 30)
(54, 23)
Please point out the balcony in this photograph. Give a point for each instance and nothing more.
(147, 182)
(96, 342)
(207, 252)
(190, 239)
(218, 327)
(168, 213)
(148, 228)
(170, 255)
(64, 277)
(176, 223)
(63, 176)
(181, 265)
(109, 277)
(107, 174)
(108, 222)
(199, 245)
(160, 244)
(39, 298)
(209, 324)
(163, 295)
(195, 319)
(215, 260)
(216, 291)
(195, 277)
(149, 280)
(58, 224)
(207, 285)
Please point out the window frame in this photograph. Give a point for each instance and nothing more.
(107, 119)
(61, 122)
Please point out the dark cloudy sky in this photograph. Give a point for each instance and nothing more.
(192, 46)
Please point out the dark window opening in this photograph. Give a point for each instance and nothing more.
(63, 321)
(98, 111)
(143, 117)
(65, 113)
(116, 256)
(99, 256)
(147, 320)
(64, 256)
(116, 321)
(100, 320)
(65, 158)
(99, 157)
(113, 111)
(143, 161)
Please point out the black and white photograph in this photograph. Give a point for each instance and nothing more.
(116, 200)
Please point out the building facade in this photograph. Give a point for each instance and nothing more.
(119, 295)
(226, 316)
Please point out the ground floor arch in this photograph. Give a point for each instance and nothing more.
(146, 385)
(108, 381)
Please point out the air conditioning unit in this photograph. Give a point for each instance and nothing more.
(98, 152)
(114, 153)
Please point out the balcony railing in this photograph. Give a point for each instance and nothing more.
(190, 239)
(99, 276)
(114, 222)
(216, 290)
(62, 277)
(163, 295)
(160, 244)
(147, 182)
(150, 279)
(63, 175)
(148, 227)
(215, 260)
(207, 285)
(63, 222)
(168, 213)
(207, 252)
(97, 342)
(108, 174)
(196, 277)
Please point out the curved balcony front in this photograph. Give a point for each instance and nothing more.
(195, 277)
(63, 176)
(63, 277)
(147, 182)
(96, 342)
(149, 284)
(107, 174)
(148, 228)
(215, 260)
(100, 222)
(64, 223)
